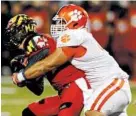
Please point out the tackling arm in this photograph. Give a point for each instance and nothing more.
(49, 63)
(57, 58)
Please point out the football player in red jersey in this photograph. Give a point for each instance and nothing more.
(69, 101)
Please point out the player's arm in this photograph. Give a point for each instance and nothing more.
(18, 63)
(59, 57)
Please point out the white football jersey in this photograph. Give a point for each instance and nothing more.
(97, 64)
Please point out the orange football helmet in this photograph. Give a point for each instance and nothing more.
(68, 17)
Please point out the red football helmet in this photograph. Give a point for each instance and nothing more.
(68, 17)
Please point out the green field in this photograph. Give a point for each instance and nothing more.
(14, 99)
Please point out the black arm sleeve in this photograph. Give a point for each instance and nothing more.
(36, 85)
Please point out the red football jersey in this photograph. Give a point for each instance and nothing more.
(62, 75)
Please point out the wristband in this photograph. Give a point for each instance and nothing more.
(21, 76)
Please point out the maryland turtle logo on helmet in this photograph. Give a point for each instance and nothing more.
(18, 28)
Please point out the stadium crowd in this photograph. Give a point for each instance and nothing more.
(113, 24)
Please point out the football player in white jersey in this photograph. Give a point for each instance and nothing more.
(110, 92)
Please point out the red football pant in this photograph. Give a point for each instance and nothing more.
(69, 103)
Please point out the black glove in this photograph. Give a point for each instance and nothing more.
(17, 63)
(35, 85)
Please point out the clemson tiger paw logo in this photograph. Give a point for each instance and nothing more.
(76, 15)
(65, 38)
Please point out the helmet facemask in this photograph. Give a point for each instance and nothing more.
(58, 26)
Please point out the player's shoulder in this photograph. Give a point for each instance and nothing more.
(39, 39)
(71, 37)
(72, 32)
(44, 40)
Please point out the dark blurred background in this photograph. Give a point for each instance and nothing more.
(113, 24)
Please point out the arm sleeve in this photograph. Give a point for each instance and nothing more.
(74, 52)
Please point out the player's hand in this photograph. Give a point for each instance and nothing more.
(14, 78)
(19, 62)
